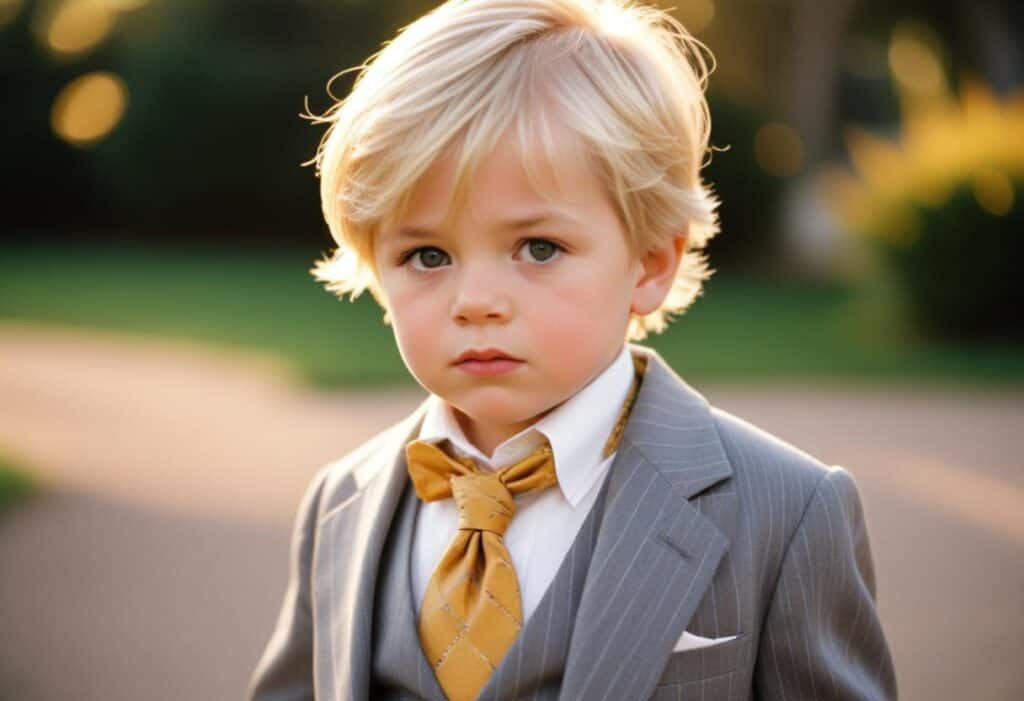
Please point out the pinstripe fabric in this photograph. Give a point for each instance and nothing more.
(709, 525)
(400, 671)
(533, 666)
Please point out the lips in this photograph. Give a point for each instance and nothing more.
(486, 354)
(488, 362)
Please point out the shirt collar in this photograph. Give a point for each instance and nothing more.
(577, 430)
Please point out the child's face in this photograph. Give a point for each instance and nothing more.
(554, 293)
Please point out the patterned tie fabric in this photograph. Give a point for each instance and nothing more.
(472, 611)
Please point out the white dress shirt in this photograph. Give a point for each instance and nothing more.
(545, 522)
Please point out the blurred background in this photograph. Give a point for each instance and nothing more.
(171, 375)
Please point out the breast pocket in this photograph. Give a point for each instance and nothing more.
(704, 663)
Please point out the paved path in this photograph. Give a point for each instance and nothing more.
(154, 565)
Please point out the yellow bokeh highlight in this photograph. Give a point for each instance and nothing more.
(89, 107)
(778, 149)
(124, 5)
(696, 15)
(994, 191)
(79, 25)
(9, 9)
(915, 65)
(974, 141)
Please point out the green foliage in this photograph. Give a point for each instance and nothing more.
(943, 204)
(749, 197)
(959, 271)
(255, 299)
(211, 142)
(15, 484)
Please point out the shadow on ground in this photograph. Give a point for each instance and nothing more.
(142, 605)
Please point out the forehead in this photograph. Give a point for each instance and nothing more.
(514, 180)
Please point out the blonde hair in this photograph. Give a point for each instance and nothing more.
(627, 79)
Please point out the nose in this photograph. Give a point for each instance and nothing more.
(480, 296)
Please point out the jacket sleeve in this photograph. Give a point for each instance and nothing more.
(822, 638)
(285, 671)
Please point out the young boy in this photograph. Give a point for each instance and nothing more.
(517, 182)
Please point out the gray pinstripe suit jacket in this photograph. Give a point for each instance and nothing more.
(710, 525)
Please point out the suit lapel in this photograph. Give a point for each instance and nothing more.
(656, 553)
(350, 541)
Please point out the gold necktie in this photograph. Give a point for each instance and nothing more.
(472, 611)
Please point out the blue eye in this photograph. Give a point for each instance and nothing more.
(428, 257)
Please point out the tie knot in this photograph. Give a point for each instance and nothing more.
(484, 503)
(434, 473)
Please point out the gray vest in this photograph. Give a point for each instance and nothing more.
(533, 666)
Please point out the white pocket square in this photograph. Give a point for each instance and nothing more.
(689, 641)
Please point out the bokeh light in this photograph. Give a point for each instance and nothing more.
(89, 107)
(9, 9)
(124, 5)
(79, 25)
(779, 150)
(993, 191)
(914, 61)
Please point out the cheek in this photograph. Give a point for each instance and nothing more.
(415, 325)
(583, 319)
(589, 300)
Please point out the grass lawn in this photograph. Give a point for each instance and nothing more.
(15, 484)
(741, 329)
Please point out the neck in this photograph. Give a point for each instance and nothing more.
(488, 436)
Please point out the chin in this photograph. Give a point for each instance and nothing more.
(498, 408)
(505, 416)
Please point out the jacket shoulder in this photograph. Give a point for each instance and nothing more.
(766, 467)
(776, 484)
(349, 474)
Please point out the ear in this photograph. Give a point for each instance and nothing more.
(657, 272)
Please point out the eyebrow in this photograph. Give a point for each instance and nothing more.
(421, 232)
